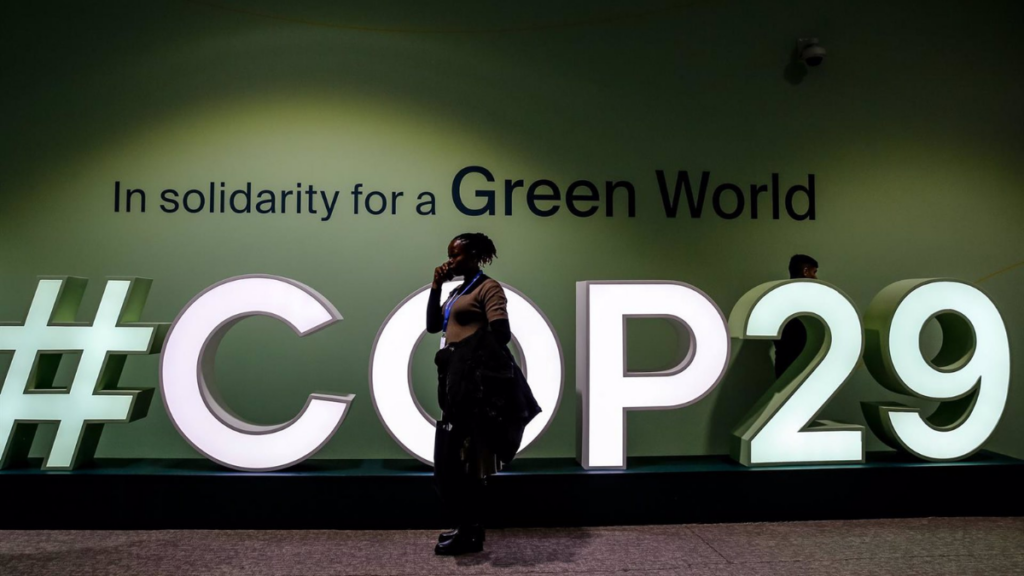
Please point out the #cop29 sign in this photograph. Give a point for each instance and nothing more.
(969, 376)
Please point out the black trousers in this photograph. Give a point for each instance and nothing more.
(457, 475)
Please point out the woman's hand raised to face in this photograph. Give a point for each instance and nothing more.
(441, 274)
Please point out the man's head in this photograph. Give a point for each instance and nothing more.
(803, 266)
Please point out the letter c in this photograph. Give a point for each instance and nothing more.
(186, 374)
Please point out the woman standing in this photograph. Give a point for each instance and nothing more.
(473, 365)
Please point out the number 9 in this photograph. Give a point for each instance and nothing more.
(970, 375)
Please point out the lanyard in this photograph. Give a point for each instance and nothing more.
(451, 302)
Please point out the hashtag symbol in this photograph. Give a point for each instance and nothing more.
(50, 331)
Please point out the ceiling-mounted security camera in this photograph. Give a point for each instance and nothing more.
(809, 51)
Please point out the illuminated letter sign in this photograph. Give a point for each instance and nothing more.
(605, 388)
(391, 382)
(970, 374)
(186, 374)
(780, 430)
(969, 377)
(50, 330)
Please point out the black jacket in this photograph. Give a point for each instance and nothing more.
(487, 391)
(789, 346)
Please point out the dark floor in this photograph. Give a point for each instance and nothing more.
(932, 547)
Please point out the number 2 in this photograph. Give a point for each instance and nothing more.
(781, 431)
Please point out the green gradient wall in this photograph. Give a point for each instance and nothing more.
(912, 128)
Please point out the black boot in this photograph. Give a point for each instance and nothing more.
(449, 534)
(466, 540)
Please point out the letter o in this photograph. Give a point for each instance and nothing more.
(391, 379)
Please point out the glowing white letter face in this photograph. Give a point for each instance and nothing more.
(391, 382)
(776, 432)
(27, 396)
(971, 372)
(606, 390)
(186, 375)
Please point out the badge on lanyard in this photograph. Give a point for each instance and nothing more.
(448, 308)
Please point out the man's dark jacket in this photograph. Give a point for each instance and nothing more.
(487, 391)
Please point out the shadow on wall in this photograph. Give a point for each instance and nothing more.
(751, 373)
(795, 71)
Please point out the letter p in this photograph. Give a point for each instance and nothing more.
(606, 389)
